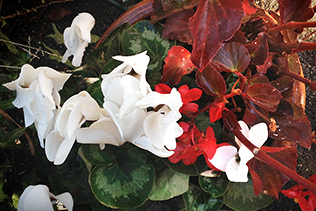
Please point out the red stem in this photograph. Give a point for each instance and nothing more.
(136, 13)
(264, 157)
(291, 26)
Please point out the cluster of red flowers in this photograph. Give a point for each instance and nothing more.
(299, 194)
(193, 143)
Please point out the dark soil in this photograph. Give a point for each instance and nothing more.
(32, 30)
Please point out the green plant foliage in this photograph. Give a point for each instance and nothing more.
(194, 169)
(169, 184)
(7, 140)
(240, 196)
(216, 186)
(196, 199)
(57, 36)
(124, 183)
(9, 45)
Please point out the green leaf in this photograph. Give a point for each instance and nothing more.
(145, 37)
(169, 184)
(126, 183)
(240, 196)
(8, 43)
(109, 66)
(57, 36)
(197, 200)
(3, 196)
(96, 92)
(216, 186)
(194, 169)
(95, 156)
(6, 104)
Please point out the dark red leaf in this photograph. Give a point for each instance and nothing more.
(232, 57)
(267, 64)
(177, 26)
(258, 49)
(214, 22)
(295, 10)
(285, 85)
(211, 81)
(264, 95)
(230, 121)
(265, 178)
(177, 64)
(258, 78)
(296, 130)
(165, 8)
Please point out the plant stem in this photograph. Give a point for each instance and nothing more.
(264, 157)
(291, 26)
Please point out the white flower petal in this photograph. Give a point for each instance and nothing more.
(258, 134)
(35, 198)
(222, 155)
(236, 172)
(52, 144)
(144, 143)
(103, 131)
(63, 150)
(66, 199)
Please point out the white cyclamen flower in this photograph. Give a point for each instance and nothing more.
(257, 135)
(77, 37)
(37, 93)
(75, 111)
(160, 125)
(38, 198)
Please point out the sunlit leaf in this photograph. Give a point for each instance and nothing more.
(211, 81)
(293, 129)
(295, 10)
(168, 184)
(232, 57)
(165, 8)
(240, 196)
(267, 179)
(197, 199)
(177, 64)
(264, 95)
(214, 22)
(258, 49)
(177, 26)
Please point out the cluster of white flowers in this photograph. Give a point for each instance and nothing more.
(131, 111)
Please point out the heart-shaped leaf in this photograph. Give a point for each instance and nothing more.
(124, 184)
(259, 49)
(177, 26)
(240, 196)
(267, 179)
(232, 57)
(211, 81)
(214, 22)
(177, 64)
(168, 184)
(264, 95)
